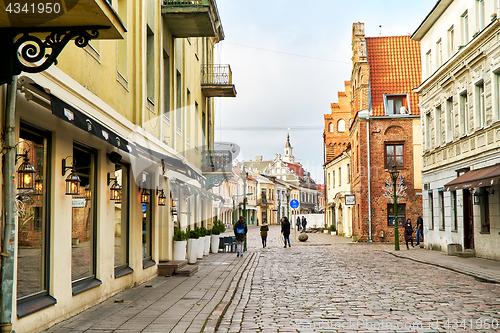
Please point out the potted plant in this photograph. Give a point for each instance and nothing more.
(217, 228)
(208, 237)
(333, 229)
(192, 245)
(201, 241)
(180, 244)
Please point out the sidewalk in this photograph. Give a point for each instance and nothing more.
(485, 270)
(167, 304)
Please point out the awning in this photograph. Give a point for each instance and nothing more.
(71, 115)
(476, 178)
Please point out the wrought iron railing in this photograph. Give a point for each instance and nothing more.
(185, 2)
(217, 74)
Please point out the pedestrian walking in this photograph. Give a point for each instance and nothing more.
(298, 223)
(408, 233)
(304, 224)
(285, 230)
(240, 231)
(263, 232)
(420, 229)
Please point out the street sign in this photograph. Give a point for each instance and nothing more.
(294, 204)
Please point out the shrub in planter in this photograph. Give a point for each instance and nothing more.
(180, 244)
(332, 228)
(218, 228)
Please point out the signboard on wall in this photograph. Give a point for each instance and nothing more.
(350, 199)
(79, 202)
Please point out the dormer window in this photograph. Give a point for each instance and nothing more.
(396, 104)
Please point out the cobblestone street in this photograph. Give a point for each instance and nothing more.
(342, 286)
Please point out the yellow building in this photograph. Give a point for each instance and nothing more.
(133, 120)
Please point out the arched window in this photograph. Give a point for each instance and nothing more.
(331, 128)
(341, 125)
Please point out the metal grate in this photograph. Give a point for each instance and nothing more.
(217, 74)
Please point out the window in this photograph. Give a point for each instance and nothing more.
(485, 210)
(166, 85)
(449, 119)
(428, 130)
(496, 93)
(178, 113)
(439, 135)
(188, 116)
(401, 214)
(428, 57)
(348, 173)
(341, 125)
(480, 14)
(439, 53)
(393, 155)
(465, 27)
(83, 222)
(480, 113)
(451, 42)
(122, 43)
(340, 176)
(333, 179)
(395, 104)
(464, 114)
(147, 224)
(196, 117)
(150, 64)
(454, 218)
(122, 218)
(431, 209)
(330, 127)
(329, 181)
(34, 227)
(441, 208)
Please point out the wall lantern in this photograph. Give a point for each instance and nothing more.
(145, 196)
(115, 191)
(161, 197)
(25, 172)
(72, 181)
(38, 184)
(477, 197)
(88, 192)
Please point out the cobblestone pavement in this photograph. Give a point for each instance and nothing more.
(344, 287)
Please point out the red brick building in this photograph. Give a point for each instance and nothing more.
(385, 130)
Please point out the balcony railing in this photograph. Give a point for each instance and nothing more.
(185, 2)
(217, 81)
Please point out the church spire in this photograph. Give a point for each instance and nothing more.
(288, 157)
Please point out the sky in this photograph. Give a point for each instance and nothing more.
(289, 59)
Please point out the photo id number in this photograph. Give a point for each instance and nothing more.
(32, 8)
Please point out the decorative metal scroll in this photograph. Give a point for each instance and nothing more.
(388, 189)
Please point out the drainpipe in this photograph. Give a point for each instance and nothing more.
(8, 242)
(369, 179)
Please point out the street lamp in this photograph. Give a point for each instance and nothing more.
(394, 177)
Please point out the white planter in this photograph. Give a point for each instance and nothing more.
(180, 248)
(215, 243)
(326, 231)
(201, 247)
(206, 250)
(192, 250)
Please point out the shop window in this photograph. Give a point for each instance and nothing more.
(393, 155)
(83, 221)
(33, 257)
(121, 230)
(401, 214)
(147, 225)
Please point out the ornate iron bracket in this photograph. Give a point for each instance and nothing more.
(214, 179)
(25, 53)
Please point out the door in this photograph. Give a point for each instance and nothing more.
(468, 220)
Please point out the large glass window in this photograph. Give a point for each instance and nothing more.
(33, 230)
(395, 104)
(121, 230)
(401, 214)
(393, 155)
(83, 227)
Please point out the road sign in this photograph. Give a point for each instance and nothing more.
(294, 204)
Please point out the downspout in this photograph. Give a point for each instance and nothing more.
(8, 241)
(368, 151)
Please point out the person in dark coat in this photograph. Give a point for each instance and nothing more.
(240, 231)
(263, 232)
(304, 224)
(298, 222)
(408, 232)
(420, 229)
(285, 230)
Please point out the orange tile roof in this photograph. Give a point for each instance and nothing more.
(395, 68)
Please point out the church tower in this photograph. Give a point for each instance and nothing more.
(288, 157)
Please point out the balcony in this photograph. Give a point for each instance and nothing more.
(217, 81)
(192, 18)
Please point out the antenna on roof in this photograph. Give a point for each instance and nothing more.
(380, 26)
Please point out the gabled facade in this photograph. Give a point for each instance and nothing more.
(384, 132)
(460, 103)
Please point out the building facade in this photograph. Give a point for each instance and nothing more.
(460, 103)
(385, 131)
(130, 120)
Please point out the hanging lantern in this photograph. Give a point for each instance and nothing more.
(25, 173)
(38, 184)
(115, 192)
(161, 198)
(145, 196)
(72, 181)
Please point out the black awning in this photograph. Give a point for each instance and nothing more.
(71, 115)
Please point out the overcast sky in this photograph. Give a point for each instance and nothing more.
(289, 59)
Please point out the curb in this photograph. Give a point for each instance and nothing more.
(475, 275)
(215, 317)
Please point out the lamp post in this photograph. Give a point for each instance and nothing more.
(394, 177)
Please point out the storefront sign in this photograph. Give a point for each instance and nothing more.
(79, 202)
(350, 199)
